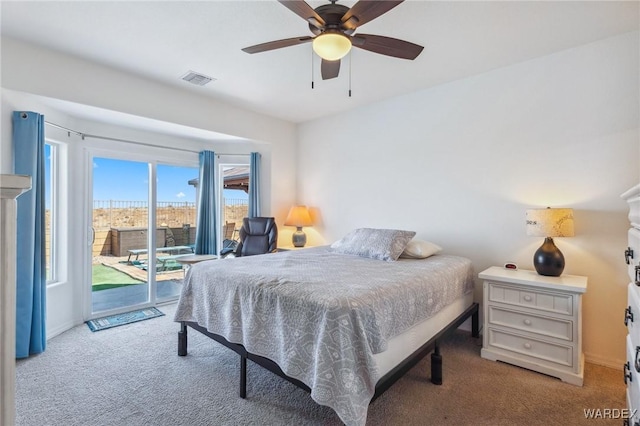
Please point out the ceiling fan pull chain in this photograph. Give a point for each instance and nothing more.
(350, 53)
(312, 65)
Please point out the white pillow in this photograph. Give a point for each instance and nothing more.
(420, 249)
(381, 244)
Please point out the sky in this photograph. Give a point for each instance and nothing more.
(122, 180)
(128, 181)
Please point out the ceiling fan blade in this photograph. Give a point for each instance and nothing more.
(329, 69)
(277, 44)
(365, 11)
(387, 46)
(303, 10)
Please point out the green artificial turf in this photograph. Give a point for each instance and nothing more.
(104, 277)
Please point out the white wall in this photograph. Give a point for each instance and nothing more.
(31, 75)
(460, 163)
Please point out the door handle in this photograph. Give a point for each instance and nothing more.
(637, 269)
(637, 362)
(627, 376)
(628, 316)
(628, 254)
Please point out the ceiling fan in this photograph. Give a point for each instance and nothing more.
(333, 26)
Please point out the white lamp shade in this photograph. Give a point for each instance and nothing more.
(550, 222)
(298, 216)
(331, 46)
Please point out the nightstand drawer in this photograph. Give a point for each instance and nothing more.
(531, 347)
(544, 300)
(552, 327)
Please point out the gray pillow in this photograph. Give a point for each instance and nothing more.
(381, 244)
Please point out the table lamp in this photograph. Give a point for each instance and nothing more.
(298, 216)
(548, 223)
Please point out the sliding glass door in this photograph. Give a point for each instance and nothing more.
(142, 220)
(119, 221)
(176, 226)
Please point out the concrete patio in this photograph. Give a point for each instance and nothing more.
(168, 285)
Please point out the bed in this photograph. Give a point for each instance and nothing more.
(340, 326)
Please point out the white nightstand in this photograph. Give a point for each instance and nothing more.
(534, 321)
(289, 248)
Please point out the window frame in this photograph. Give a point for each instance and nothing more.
(223, 161)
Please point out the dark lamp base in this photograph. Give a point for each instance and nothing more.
(299, 238)
(548, 259)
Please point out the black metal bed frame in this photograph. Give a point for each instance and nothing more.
(385, 381)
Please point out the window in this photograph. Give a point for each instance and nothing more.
(51, 170)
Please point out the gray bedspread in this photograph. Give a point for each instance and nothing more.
(321, 315)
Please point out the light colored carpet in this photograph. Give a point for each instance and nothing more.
(132, 375)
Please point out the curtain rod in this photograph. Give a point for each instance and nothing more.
(57, 126)
(87, 135)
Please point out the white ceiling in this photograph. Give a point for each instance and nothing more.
(163, 40)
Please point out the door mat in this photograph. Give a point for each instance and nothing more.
(122, 319)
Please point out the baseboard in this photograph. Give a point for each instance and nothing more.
(605, 362)
(53, 332)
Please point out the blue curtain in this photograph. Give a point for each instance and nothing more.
(254, 185)
(31, 282)
(206, 238)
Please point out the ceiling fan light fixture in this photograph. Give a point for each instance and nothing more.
(331, 46)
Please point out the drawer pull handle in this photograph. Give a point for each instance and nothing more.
(628, 316)
(528, 298)
(527, 345)
(627, 376)
(628, 254)
(637, 362)
(637, 268)
(527, 322)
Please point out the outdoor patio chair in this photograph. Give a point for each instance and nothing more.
(228, 230)
(228, 242)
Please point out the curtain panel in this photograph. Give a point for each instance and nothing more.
(206, 236)
(31, 282)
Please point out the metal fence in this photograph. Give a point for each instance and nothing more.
(122, 214)
(118, 204)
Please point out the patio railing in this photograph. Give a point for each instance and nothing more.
(177, 215)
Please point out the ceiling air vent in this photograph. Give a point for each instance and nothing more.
(196, 78)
